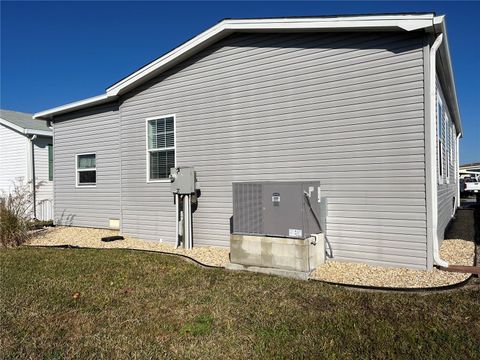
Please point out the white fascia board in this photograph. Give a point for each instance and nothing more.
(11, 126)
(226, 27)
(203, 39)
(404, 22)
(439, 24)
(38, 132)
(77, 105)
(23, 130)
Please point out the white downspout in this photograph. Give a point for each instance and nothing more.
(433, 150)
(31, 160)
(457, 171)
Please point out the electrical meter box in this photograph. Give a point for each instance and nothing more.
(183, 180)
(280, 209)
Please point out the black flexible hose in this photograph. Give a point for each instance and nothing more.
(129, 249)
(351, 286)
(397, 289)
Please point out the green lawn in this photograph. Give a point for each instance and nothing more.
(144, 305)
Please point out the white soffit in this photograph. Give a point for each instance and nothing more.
(399, 22)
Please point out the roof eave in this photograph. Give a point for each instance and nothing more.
(24, 131)
(74, 106)
(447, 68)
(38, 132)
(226, 27)
(404, 22)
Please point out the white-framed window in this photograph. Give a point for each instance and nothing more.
(453, 153)
(86, 169)
(440, 133)
(448, 146)
(160, 147)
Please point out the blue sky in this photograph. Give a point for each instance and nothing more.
(53, 53)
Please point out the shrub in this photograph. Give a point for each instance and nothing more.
(40, 224)
(15, 214)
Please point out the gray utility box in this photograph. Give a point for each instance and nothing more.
(183, 180)
(278, 209)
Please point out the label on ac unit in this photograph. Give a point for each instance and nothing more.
(295, 232)
(276, 199)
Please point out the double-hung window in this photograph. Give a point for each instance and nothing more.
(160, 147)
(453, 152)
(86, 169)
(440, 132)
(448, 147)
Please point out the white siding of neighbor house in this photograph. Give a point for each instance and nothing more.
(14, 167)
(447, 186)
(345, 108)
(90, 131)
(13, 158)
(44, 193)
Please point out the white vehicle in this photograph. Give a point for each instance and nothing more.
(471, 182)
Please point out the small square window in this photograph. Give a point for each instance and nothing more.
(86, 169)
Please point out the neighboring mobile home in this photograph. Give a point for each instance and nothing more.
(364, 104)
(26, 156)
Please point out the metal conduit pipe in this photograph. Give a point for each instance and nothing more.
(190, 221)
(432, 181)
(187, 216)
(177, 219)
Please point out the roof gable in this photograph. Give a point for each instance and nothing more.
(382, 22)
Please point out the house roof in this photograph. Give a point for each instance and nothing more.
(428, 22)
(469, 165)
(24, 123)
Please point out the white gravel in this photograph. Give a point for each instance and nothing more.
(458, 252)
(91, 238)
(458, 248)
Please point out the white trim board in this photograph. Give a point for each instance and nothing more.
(393, 22)
(25, 131)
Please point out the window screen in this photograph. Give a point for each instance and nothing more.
(161, 147)
(86, 169)
(440, 133)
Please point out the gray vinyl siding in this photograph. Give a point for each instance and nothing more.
(91, 131)
(447, 185)
(345, 109)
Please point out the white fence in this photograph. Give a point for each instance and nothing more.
(45, 210)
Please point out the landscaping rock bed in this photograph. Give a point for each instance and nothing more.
(457, 249)
(456, 252)
(91, 238)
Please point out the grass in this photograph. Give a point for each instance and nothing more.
(86, 304)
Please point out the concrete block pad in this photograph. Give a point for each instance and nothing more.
(279, 253)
